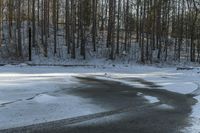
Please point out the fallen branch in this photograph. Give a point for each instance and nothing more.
(185, 68)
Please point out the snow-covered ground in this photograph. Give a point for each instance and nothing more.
(31, 95)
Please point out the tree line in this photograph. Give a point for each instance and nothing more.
(157, 30)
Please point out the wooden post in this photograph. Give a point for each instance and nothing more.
(30, 46)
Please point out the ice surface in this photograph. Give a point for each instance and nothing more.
(27, 94)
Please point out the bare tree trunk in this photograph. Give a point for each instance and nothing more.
(73, 25)
(118, 26)
(45, 29)
(94, 27)
(33, 24)
(126, 25)
(19, 41)
(1, 16)
(55, 25)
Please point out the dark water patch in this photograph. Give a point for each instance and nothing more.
(115, 94)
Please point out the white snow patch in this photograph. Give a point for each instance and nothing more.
(44, 98)
(152, 99)
(139, 94)
(196, 109)
(129, 83)
(180, 87)
(165, 107)
(194, 128)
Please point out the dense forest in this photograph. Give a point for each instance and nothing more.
(142, 30)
